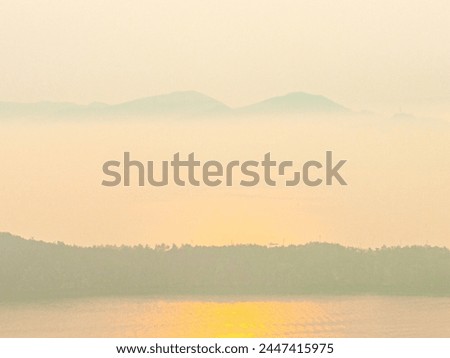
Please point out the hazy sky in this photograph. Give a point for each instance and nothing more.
(365, 54)
(398, 174)
(377, 55)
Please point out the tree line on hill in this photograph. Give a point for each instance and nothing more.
(31, 270)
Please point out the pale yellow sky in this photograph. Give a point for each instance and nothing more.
(397, 174)
(377, 55)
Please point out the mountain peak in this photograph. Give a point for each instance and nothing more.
(182, 102)
(295, 102)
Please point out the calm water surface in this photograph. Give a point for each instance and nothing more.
(366, 316)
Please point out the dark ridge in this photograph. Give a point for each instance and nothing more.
(31, 270)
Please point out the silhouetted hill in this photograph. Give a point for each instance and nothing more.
(296, 102)
(185, 103)
(31, 270)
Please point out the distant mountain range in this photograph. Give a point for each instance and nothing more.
(188, 103)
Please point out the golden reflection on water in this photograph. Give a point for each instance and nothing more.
(241, 319)
(365, 316)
